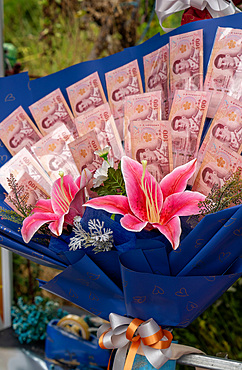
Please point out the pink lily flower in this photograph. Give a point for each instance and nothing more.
(151, 205)
(67, 198)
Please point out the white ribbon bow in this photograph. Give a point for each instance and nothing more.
(217, 8)
(114, 337)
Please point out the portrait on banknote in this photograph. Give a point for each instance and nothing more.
(224, 73)
(186, 61)
(225, 127)
(86, 94)
(54, 155)
(218, 165)
(18, 131)
(121, 82)
(52, 111)
(187, 117)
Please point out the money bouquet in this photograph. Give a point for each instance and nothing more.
(106, 184)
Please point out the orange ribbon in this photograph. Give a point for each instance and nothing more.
(132, 334)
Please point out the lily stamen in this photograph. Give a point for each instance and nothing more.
(152, 209)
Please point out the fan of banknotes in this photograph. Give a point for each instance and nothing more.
(163, 125)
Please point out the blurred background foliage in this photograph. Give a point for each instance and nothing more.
(54, 34)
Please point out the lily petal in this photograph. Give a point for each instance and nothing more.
(32, 223)
(84, 179)
(63, 192)
(176, 181)
(117, 204)
(138, 200)
(181, 204)
(57, 226)
(43, 206)
(171, 230)
(76, 207)
(132, 223)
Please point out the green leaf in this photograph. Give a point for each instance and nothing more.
(114, 185)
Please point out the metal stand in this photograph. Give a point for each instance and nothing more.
(210, 362)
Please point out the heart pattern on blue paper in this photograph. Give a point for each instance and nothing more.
(93, 276)
(72, 294)
(191, 306)
(238, 232)
(223, 256)
(158, 290)
(10, 97)
(182, 293)
(139, 299)
(93, 297)
(210, 278)
(3, 158)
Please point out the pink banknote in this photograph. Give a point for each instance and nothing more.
(219, 164)
(22, 162)
(187, 116)
(83, 149)
(29, 190)
(156, 70)
(86, 94)
(121, 82)
(54, 154)
(151, 141)
(226, 126)
(224, 73)
(17, 131)
(102, 122)
(52, 111)
(186, 61)
(141, 107)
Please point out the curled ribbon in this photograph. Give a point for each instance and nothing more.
(127, 335)
(217, 8)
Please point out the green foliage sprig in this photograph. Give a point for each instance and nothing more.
(19, 198)
(114, 185)
(220, 198)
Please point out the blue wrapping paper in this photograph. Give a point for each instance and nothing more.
(148, 287)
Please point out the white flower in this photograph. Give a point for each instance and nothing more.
(103, 153)
(101, 174)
